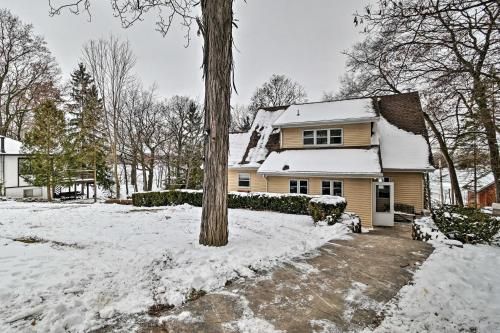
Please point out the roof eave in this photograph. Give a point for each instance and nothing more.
(428, 169)
(321, 174)
(325, 122)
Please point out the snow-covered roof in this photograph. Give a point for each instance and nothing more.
(250, 149)
(401, 149)
(483, 180)
(343, 111)
(238, 143)
(324, 162)
(12, 147)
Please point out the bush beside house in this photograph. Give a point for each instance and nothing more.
(322, 208)
(467, 225)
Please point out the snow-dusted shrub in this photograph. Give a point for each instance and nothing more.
(467, 225)
(283, 203)
(327, 208)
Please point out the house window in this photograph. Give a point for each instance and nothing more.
(332, 187)
(321, 137)
(333, 136)
(336, 136)
(308, 137)
(243, 180)
(387, 179)
(299, 186)
(24, 167)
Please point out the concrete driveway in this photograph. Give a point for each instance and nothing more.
(340, 289)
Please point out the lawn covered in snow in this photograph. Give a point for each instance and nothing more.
(97, 264)
(455, 290)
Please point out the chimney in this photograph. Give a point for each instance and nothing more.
(2, 145)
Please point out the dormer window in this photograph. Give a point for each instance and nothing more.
(336, 136)
(308, 137)
(323, 137)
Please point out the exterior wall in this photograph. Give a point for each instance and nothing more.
(257, 182)
(485, 198)
(354, 135)
(357, 191)
(18, 192)
(15, 185)
(408, 188)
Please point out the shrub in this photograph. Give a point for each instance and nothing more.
(282, 203)
(329, 208)
(467, 225)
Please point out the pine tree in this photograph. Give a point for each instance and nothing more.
(85, 130)
(45, 143)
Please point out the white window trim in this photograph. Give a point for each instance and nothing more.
(249, 180)
(298, 185)
(331, 181)
(327, 137)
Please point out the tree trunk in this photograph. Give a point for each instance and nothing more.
(486, 117)
(115, 169)
(451, 165)
(217, 64)
(133, 172)
(151, 171)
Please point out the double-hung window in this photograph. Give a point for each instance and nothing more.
(299, 186)
(308, 137)
(332, 187)
(320, 137)
(336, 136)
(243, 180)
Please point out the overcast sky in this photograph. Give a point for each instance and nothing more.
(302, 39)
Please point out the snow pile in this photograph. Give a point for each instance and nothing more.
(401, 149)
(363, 162)
(353, 110)
(328, 200)
(100, 263)
(455, 290)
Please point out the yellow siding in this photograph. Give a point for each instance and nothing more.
(354, 135)
(358, 193)
(257, 182)
(408, 188)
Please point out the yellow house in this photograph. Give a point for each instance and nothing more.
(372, 151)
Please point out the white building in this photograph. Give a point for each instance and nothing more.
(11, 161)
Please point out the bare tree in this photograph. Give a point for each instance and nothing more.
(279, 90)
(111, 62)
(186, 132)
(451, 41)
(216, 26)
(241, 118)
(28, 73)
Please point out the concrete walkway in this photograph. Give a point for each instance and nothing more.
(339, 290)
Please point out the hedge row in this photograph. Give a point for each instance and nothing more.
(467, 225)
(282, 203)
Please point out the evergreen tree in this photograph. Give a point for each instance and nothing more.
(85, 130)
(45, 143)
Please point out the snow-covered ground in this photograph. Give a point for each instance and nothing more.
(455, 290)
(97, 264)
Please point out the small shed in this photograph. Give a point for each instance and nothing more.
(486, 191)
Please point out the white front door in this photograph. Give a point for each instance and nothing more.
(383, 204)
